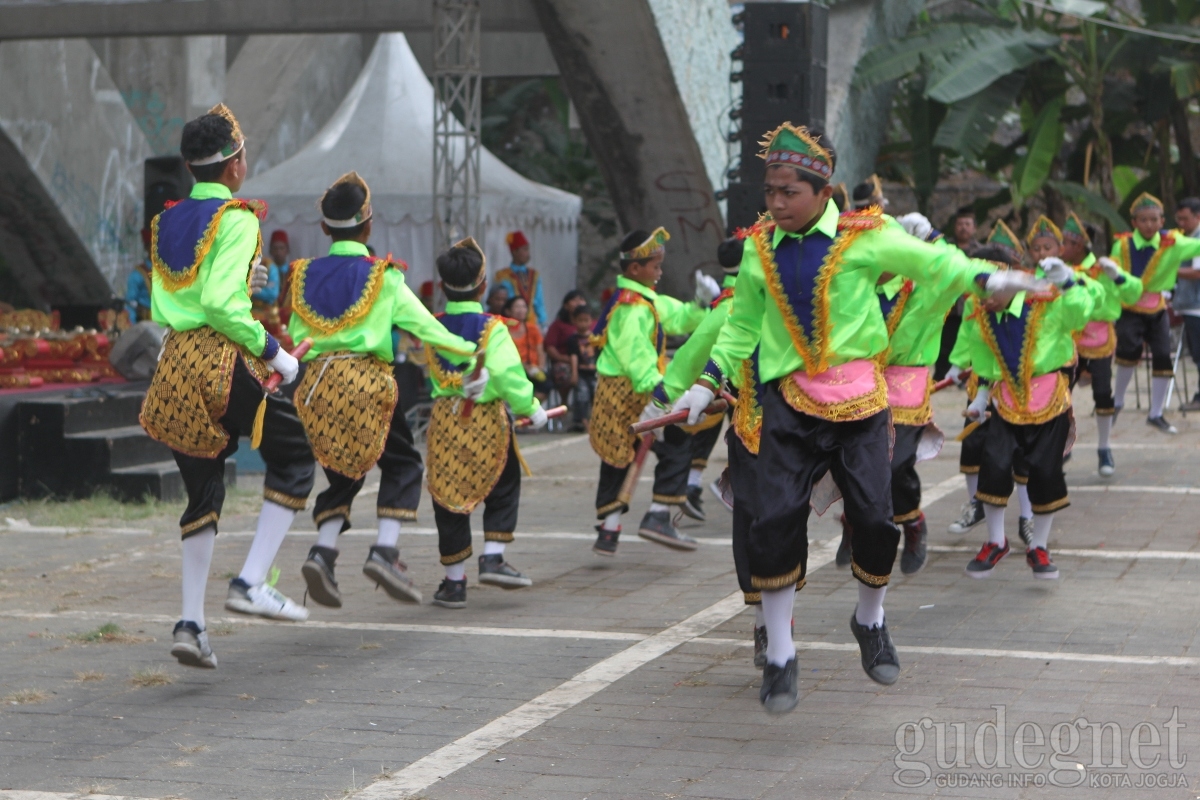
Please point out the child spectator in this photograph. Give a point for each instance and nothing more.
(583, 365)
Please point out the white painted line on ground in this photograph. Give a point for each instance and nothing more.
(932, 494)
(25, 526)
(1137, 489)
(980, 652)
(382, 627)
(423, 773)
(1160, 555)
(541, 448)
(12, 794)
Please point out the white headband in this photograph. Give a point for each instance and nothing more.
(219, 156)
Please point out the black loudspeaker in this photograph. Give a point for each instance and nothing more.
(783, 78)
(166, 178)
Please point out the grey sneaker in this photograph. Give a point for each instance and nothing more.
(1162, 424)
(694, 505)
(451, 594)
(879, 659)
(972, 515)
(318, 575)
(1107, 465)
(656, 526)
(386, 570)
(606, 541)
(778, 692)
(1025, 529)
(191, 646)
(912, 558)
(495, 570)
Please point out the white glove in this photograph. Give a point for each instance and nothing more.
(977, 410)
(653, 411)
(694, 401)
(538, 419)
(1057, 271)
(1010, 281)
(286, 365)
(916, 224)
(259, 275)
(953, 373)
(473, 387)
(707, 289)
(1111, 268)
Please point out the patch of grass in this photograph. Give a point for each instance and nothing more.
(90, 675)
(24, 697)
(221, 629)
(153, 676)
(370, 646)
(196, 748)
(182, 762)
(109, 632)
(245, 696)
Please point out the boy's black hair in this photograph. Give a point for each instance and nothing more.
(343, 201)
(815, 181)
(1192, 204)
(994, 252)
(201, 138)
(729, 253)
(863, 191)
(459, 266)
(630, 242)
(965, 211)
(581, 311)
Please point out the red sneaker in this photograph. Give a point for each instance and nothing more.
(1039, 561)
(989, 556)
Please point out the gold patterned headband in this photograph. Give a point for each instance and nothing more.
(649, 248)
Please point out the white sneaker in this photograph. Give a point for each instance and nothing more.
(264, 601)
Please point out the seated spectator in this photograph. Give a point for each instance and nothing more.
(496, 300)
(583, 365)
(563, 328)
(528, 339)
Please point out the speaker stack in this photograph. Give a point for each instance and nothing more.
(783, 57)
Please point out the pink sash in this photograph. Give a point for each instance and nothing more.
(1149, 301)
(1040, 395)
(906, 386)
(1095, 335)
(839, 384)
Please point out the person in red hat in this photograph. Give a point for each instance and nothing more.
(520, 279)
(137, 285)
(280, 252)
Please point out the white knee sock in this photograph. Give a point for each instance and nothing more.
(995, 522)
(656, 507)
(273, 523)
(869, 612)
(389, 532)
(1158, 395)
(493, 548)
(1124, 376)
(456, 572)
(197, 559)
(777, 616)
(1023, 499)
(1103, 429)
(759, 621)
(612, 522)
(1041, 531)
(972, 485)
(328, 532)
(694, 476)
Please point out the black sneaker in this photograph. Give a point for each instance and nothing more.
(318, 575)
(844, 553)
(606, 541)
(879, 659)
(778, 692)
(1107, 465)
(1039, 561)
(1161, 423)
(912, 558)
(985, 561)
(972, 515)
(694, 505)
(190, 646)
(495, 570)
(760, 646)
(451, 594)
(388, 572)
(1025, 529)
(656, 526)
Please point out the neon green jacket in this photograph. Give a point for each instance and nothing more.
(220, 295)
(1125, 291)
(915, 314)
(371, 332)
(690, 359)
(846, 314)
(507, 380)
(1157, 269)
(628, 333)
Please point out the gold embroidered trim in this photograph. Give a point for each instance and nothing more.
(632, 298)
(606, 509)
(747, 413)
(893, 318)
(466, 456)
(852, 410)
(174, 281)
(1021, 479)
(452, 378)
(991, 499)
(1162, 373)
(352, 315)
(1105, 412)
(330, 513)
(1126, 362)
(1059, 403)
(920, 416)
(345, 401)
(968, 470)
(211, 518)
(498, 536)
(778, 581)
(710, 421)
(699, 463)
(407, 514)
(909, 517)
(285, 500)
(462, 555)
(752, 598)
(868, 578)
(1125, 254)
(1103, 351)
(1049, 508)
(1033, 323)
(669, 499)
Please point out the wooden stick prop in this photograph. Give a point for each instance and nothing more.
(946, 382)
(469, 405)
(674, 418)
(270, 386)
(635, 469)
(551, 413)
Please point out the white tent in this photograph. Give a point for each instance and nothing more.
(384, 131)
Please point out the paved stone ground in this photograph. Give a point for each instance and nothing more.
(345, 704)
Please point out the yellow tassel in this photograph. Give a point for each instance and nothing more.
(257, 430)
(520, 458)
(967, 431)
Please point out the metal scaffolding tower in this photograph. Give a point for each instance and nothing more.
(458, 85)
